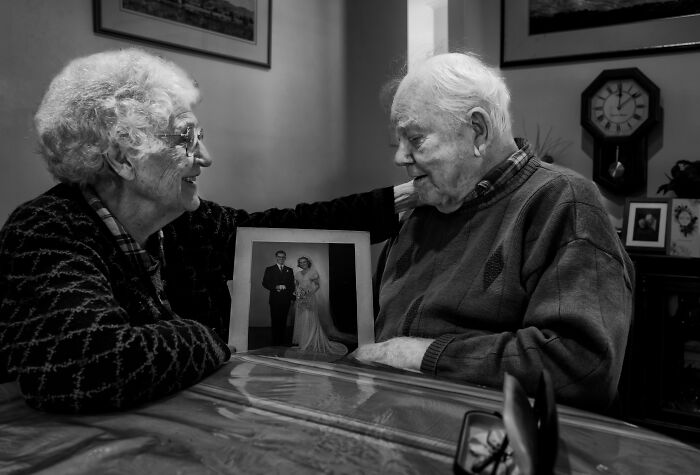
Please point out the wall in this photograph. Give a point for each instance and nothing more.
(375, 48)
(309, 128)
(549, 96)
(312, 126)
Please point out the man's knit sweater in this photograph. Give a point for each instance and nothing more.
(532, 276)
(82, 329)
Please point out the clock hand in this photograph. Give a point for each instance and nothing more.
(625, 102)
(619, 94)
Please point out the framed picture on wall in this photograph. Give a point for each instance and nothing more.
(229, 29)
(542, 31)
(685, 229)
(332, 284)
(646, 225)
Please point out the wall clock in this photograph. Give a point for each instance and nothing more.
(619, 109)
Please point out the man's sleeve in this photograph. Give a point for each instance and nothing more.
(267, 280)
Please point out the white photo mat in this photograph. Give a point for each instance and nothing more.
(242, 283)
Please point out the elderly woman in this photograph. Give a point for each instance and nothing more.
(113, 285)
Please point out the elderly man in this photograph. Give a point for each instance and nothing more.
(513, 267)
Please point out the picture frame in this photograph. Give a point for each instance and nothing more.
(238, 30)
(341, 258)
(685, 227)
(519, 46)
(646, 225)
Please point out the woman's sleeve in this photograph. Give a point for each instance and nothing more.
(316, 279)
(71, 345)
(372, 211)
(210, 231)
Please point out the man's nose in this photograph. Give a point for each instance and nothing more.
(403, 155)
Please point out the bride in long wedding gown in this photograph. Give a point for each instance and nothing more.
(308, 333)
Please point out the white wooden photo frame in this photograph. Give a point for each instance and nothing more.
(340, 257)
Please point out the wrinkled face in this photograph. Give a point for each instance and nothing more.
(168, 179)
(436, 149)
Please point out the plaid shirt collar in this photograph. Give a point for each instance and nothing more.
(138, 255)
(496, 177)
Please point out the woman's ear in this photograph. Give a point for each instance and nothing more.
(481, 123)
(121, 165)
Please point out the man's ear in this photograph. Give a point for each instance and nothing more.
(121, 165)
(481, 123)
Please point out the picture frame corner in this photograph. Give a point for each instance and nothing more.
(519, 47)
(211, 37)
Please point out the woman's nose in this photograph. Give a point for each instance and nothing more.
(202, 156)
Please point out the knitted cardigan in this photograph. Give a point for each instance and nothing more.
(82, 329)
(531, 277)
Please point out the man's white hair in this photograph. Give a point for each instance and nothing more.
(461, 81)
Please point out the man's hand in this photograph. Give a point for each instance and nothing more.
(405, 197)
(400, 352)
(280, 287)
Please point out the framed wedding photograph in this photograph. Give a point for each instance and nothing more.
(685, 235)
(646, 225)
(295, 286)
(542, 31)
(236, 30)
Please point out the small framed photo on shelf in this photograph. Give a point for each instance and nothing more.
(685, 235)
(646, 225)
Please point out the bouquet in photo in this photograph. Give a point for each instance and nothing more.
(301, 294)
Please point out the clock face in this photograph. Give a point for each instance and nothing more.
(619, 107)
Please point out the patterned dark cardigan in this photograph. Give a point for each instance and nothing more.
(81, 328)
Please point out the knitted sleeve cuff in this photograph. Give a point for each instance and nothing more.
(432, 354)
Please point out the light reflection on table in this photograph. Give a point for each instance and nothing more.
(281, 411)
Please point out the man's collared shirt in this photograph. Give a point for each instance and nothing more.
(501, 173)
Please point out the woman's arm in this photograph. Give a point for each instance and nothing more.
(316, 281)
(373, 211)
(69, 340)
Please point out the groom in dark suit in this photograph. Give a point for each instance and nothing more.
(279, 280)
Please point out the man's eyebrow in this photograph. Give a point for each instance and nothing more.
(402, 124)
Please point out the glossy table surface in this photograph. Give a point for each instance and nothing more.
(262, 413)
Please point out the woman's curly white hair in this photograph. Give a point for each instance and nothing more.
(111, 101)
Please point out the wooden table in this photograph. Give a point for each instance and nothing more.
(269, 414)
